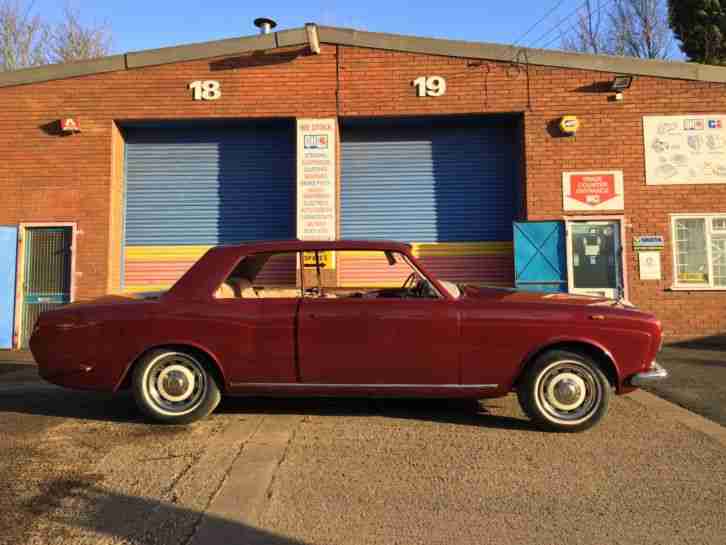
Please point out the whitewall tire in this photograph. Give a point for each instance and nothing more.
(174, 387)
(564, 391)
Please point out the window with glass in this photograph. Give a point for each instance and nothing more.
(326, 274)
(700, 250)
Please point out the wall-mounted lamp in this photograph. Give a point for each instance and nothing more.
(621, 83)
(311, 29)
(569, 125)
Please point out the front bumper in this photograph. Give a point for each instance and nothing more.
(654, 374)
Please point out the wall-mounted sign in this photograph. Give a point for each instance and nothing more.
(649, 242)
(316, 200)
(569, 124)
(326, 259)
(206, 90)
(649, 265)
(592, 191)
(430, 86)
(70, 124)
(685, 149)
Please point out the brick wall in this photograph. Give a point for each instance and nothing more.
(47, 177)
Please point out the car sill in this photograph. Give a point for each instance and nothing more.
(314, 385)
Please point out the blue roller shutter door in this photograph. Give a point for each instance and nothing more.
(446, 185)
(206, 186)
(429, 181)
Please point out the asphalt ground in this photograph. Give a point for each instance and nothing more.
(697, 380)
(81, 467)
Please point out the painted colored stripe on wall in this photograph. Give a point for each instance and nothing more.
(425, 249)
(164, 253)
(152, 268)
(485, 263)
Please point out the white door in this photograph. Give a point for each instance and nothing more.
(594, 258)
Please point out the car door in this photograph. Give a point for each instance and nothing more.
(404, 342)
(254, 338)
(255, 318)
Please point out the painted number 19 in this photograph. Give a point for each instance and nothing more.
(205, 90)
(430, 86)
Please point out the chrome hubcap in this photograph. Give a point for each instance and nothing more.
(566, 391)
(176, 383)
(569, 391)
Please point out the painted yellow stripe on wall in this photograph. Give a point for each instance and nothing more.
(420, 249)
(165, 253)
(146, 287)
(424, 249)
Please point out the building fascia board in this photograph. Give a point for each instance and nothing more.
(373, 40)
(508, 53)
(51, 72)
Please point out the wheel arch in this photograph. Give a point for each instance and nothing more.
(205, 356)
(598, 353)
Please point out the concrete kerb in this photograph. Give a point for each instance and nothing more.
(691, 420)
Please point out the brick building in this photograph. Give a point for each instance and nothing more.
(460, 148)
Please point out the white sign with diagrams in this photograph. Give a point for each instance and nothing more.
(685, 149)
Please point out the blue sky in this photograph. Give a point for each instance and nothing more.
(155, 23)
(138, 24)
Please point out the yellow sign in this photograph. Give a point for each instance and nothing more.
(569, 124)
(696, 277)
(327, 259)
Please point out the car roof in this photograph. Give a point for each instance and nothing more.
(206, 274)
(309, 245)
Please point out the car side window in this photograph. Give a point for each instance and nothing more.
(364, 274)
(263, 276)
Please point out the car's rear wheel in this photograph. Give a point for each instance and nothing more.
(174, 387)
(564, 391)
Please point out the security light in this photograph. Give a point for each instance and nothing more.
(620, 83)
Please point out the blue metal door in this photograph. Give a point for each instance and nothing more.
(540, 256)
(8, 261)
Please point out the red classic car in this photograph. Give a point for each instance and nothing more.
(347, 318)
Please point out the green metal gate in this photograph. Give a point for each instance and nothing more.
(47, 278)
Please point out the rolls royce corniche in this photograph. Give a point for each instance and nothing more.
(347, 318)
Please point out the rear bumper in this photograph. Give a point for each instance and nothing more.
(654, 374)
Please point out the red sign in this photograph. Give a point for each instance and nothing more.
(69, 124)
(592, 189)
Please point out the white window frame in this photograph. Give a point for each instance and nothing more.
(687, 286)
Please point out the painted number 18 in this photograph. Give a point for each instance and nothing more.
(430, 86)
(205, 90)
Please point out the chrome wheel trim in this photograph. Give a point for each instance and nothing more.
(175, 384)
(568, 392)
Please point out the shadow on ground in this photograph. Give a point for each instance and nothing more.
(712, 342)
(58, 402)
(697, 380)
(467, 412)
(131, 519)
(42, 400)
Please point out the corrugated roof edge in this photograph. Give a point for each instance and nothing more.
(375, 40)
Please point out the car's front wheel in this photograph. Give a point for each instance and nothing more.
(564, 391)
(174, 387)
